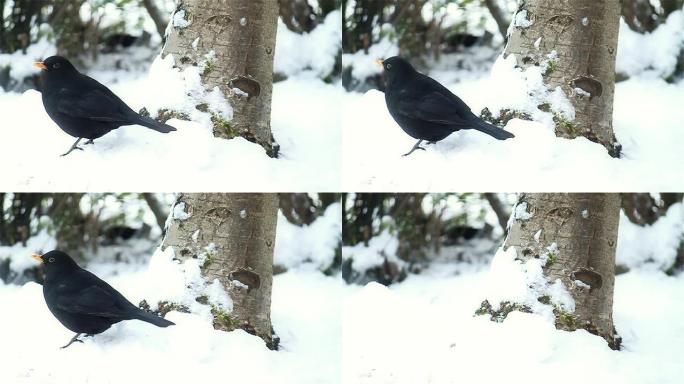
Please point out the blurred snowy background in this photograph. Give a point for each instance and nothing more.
(417, 267)
(118, 43)
(116, 236)
(459, 43)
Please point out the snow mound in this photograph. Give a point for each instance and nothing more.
(316, 51)
(315, 244)
(21, 63)
(655, 53)
(380, 248)
(19, 254)
(535, 160)
(135, 158)
(447, 344)
(363, 64)
(655, 245)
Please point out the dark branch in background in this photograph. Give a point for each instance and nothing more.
(298, 208)
(301, 209)
(502, 21)
(160, 21)
(639, 15)
(642, 209)
(297, 15)
(160, 214)
(502, 214)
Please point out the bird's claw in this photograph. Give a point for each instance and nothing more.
(411, 151)
(73, 340)
(71, 150)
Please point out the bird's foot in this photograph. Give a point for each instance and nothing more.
(417, 146)
(74, 147)
(431, 142)
(412, 150)
(71, 150)
(74, 340)
(91, 141)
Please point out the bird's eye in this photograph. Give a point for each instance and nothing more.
(388, 66)
(56, 65)
(52, 259)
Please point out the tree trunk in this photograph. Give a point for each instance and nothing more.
(242, 229)
(584, 229)
(584, 35)
(242, 35)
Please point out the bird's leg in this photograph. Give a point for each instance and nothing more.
(431, 142)
(417, 146)
(73, 340)
(73, 147)
(90, 141)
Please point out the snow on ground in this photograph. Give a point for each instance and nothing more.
(315, 243)
(423, 331)
(649, 129)
(317, 50)
(654, 246)
(305, 122)
(306, 315)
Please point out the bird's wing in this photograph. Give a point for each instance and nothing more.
(93, 104)
(92, 300)
(433, 107)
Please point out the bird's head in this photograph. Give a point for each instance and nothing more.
(56, 262)
(55, 64)
(395, 67)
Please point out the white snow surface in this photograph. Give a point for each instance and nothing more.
(521, 21)
(305, 121)
(179, 20)
(306, 315)
(316, 51)
(514, 281)
(654, 246)
(18, 254)
(314, 244)
(363, 63)
(535, 160)
(22, 64)
(380, 248)
(654, 53)
(135, 158)
(423, 331)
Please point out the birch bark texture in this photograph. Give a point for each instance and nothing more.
(240, 229)
(242, 35)
(584, 228)
(584, 36)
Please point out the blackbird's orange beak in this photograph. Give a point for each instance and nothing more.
(380, 62)
(37, 257)
(40, 64)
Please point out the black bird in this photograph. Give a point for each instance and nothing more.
(84, 108)
(83, 302)
(425, 109)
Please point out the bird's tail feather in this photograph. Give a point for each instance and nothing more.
(152, 124)
(153, 319)
(492, 130)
